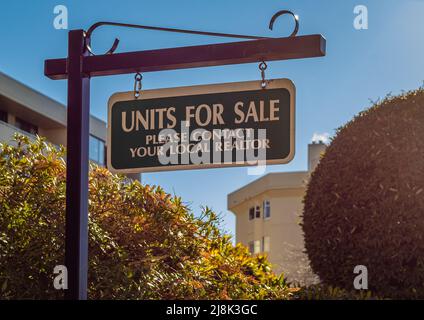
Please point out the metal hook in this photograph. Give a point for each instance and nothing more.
(205, 33)
(88, 38)
(137, 84)
(263, 66)
(281, 13)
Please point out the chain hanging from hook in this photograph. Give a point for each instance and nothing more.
(137, 85)
(262, 67)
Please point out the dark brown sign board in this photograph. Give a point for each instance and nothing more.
(208, 126)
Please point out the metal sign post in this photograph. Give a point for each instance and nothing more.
(76, 245)
(81, 64)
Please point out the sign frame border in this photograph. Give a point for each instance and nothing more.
(283, 83)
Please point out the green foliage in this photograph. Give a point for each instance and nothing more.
(143, 243)
(365, 201)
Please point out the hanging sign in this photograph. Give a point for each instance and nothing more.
(211, 126)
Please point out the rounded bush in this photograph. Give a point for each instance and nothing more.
(365, 201)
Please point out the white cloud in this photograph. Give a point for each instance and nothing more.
(323, 137)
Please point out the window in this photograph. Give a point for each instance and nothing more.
(251, 213)
(96, 150)
(3, 116)
(255, 212)
(267, 209)
(258, 212)
(26, 126)
(102, 151)
(251, 247)
(257, 247)
(266, 241)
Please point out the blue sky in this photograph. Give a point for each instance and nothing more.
(360, 65)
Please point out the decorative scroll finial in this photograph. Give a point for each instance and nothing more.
(283, 12)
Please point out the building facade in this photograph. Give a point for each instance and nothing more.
(31, 113)
(269, 215)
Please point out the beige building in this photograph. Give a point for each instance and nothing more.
(29, 112)
(268, 216)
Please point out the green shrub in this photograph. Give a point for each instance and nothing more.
(365, 201)
(143, 243)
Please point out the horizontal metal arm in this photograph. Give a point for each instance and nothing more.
(268, 49)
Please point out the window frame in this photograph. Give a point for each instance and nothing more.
(251, 246)
(257, 212)
(257, 246)
(264, 249)
(251, 213)
(100, 144)
(267, 205)
(26, 126)
(3, 116)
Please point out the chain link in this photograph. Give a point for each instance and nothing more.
(137, 84)
(262, 67)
